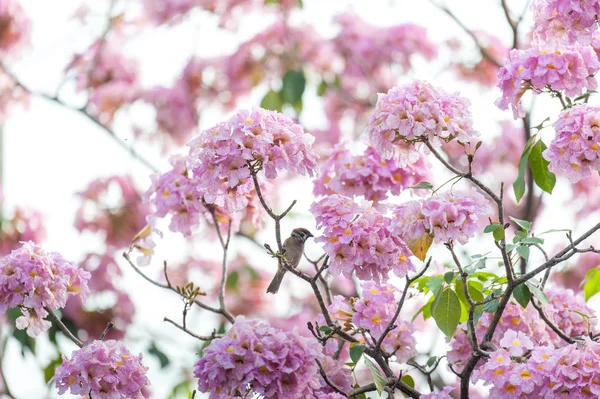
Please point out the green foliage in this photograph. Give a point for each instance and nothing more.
(50, 369)
(591, 283)
(293, 85)
(272, 101)
(356, 351)
(378, 377)
(519, 184)
(539, 167)
(446, 312)
(522, 294)
(162, 358)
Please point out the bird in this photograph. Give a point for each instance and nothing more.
(293, 248)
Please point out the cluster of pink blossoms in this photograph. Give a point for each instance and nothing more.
(575, 151)
(571, 371)
(569, 69)
(109, 77)
(36, 280)
(24, 225)
(15, 26)
(103, 369)
(564, 21)
(176, 193)
(367, 175)
(119, 218)
(418, 112)
(373, 312)
(447, 217)
(566, 310)
(255, 357)
(263, 138)
(358, 239)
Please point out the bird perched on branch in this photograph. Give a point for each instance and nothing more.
(293, 248)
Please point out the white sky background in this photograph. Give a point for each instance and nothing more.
(50, 152)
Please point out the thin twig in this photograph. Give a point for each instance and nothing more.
(210, 337)
(109, 325)
(327, 381)
(64, 329)
(550, 324)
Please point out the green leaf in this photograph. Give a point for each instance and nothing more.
(538, 293)
(498, 233)
(448, 277)
(447, 312)
(162, 358)
(322, 88)
(272, 101)
(434, 284)
(232, 280)
(326, 329)
(539, 166)
(423, 185)
(532, 240)
(378, 378)
(491, 306)
(20, 335)
(491, 227)
(524, 224)
(522, 295)
(50, 369)
(519, 184)
(408, 380)
(356, 351)
(523, 251)
(293, 85)
(591, 284)
(182, 387)
(431, 361)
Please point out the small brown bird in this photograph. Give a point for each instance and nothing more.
(293, 248)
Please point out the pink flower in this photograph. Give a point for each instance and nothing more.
(516, 342)
(34, 280)
(447, 217)
(102, 369)
(562, 22)
(418, 112)
(267, 139)
(358, 239)
(569, 69)
(575, 151)
(255, 357)
(118, 218)
(367, 175)
(15, 26)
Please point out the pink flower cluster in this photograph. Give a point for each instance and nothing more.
(115, 306)
(419, 112)
(176, 193)
(255, 357)
(373, 312)
(119, 218)
(103, 369)
(443, 394)
(447, 217)
(569, 69)
(564, 21)
(567, 311)
(23, 225)
(567, 372)
(36, 280)
(575, 150)
(263, 138)
(109, 77)
(367, 48)
(367, 175)
(15, 26)
(485, 71)
(176, 113)
(358, 239)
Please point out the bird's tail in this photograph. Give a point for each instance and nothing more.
(276, 282)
